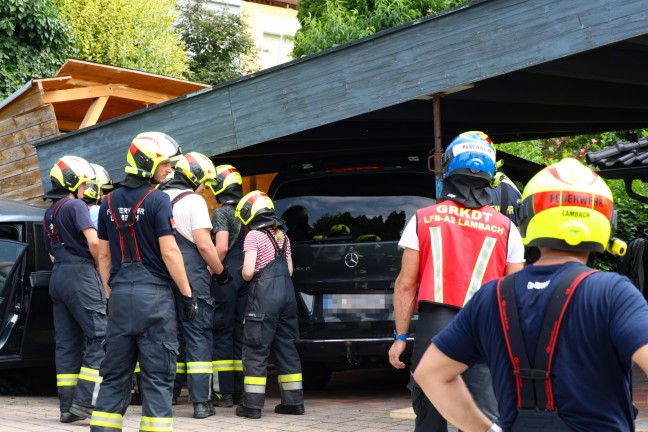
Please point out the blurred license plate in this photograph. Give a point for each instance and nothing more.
(340, 303)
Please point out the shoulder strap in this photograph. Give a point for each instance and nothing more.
(175, 200)
(503, 199)
(278, 250)
(531, 394)
(50, 226)
(125, 227)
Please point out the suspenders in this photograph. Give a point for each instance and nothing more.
(126, 228)
(179, 197)
(50, 227)
(279, 251)
(533, 381)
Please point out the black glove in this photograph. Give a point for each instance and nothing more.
(190, 308)
(224, 278)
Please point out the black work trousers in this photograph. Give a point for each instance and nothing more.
(432, 319)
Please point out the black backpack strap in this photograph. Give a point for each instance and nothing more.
(279, 251)
(533, 382)
(126, 228)
(175, 200)
(504, 198)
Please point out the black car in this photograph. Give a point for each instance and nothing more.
(26, 325)
(344, 224)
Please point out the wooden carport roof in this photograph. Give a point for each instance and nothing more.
(518, 70)
(85, 93)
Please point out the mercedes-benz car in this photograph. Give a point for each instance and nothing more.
(344, 224)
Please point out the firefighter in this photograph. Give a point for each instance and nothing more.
(96, 190)
(271, 317)
(78, 297)
(193, 172)
(231, 300)
(138, 261)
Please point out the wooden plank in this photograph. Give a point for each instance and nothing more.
(94, 111)
(105, 90)
(27, 136)
(27, 164)
(10, 126)
(27, 101)
(32, 193)
(20, 181)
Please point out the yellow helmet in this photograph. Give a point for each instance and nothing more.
(102, 180)
(228, 187)
(147, 150)
(70, 171)
(256, 210)
(567, 206)
(197, 168)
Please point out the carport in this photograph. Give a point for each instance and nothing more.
(519, 70)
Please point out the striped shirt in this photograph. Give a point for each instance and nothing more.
(258, 240)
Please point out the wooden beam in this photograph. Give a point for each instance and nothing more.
(92, 116)
(119, 91)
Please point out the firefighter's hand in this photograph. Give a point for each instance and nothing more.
(190, 308)
(396, 350)
(224, 277)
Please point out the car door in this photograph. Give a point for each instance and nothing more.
(12, 263)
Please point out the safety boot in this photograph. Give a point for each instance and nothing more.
(68, 417)
(203, 410)
(83, 412)
(225, 400)
(290, 409)
(251, 413)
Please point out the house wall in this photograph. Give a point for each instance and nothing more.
(272, 28)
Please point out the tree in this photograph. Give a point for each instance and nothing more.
(136, 34)
(218, 44)
(34, 42)
(326, 23)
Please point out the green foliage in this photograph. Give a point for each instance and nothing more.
(136, 34)
(34, 42)
(220, 48)
(326, 23)
(632, 215)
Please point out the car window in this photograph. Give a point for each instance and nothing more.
(10, 252)
(359, 208)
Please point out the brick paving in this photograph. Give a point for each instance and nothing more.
(344, 407)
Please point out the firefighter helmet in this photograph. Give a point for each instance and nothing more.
(567, 206)
(70, 171)
(197, 168)
(256, 210)
(101, 181)
(471, 153)
(147, 150)
(228, 187)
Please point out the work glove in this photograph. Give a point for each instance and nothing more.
(190, 308)
(224, 277)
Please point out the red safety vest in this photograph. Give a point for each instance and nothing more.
(460, 249)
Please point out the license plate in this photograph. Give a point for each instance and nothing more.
(344, 303)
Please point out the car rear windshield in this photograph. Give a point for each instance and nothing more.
(358, 207)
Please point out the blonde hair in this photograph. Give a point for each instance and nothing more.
(279, 235)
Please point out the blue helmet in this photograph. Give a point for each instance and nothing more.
(470, 153)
